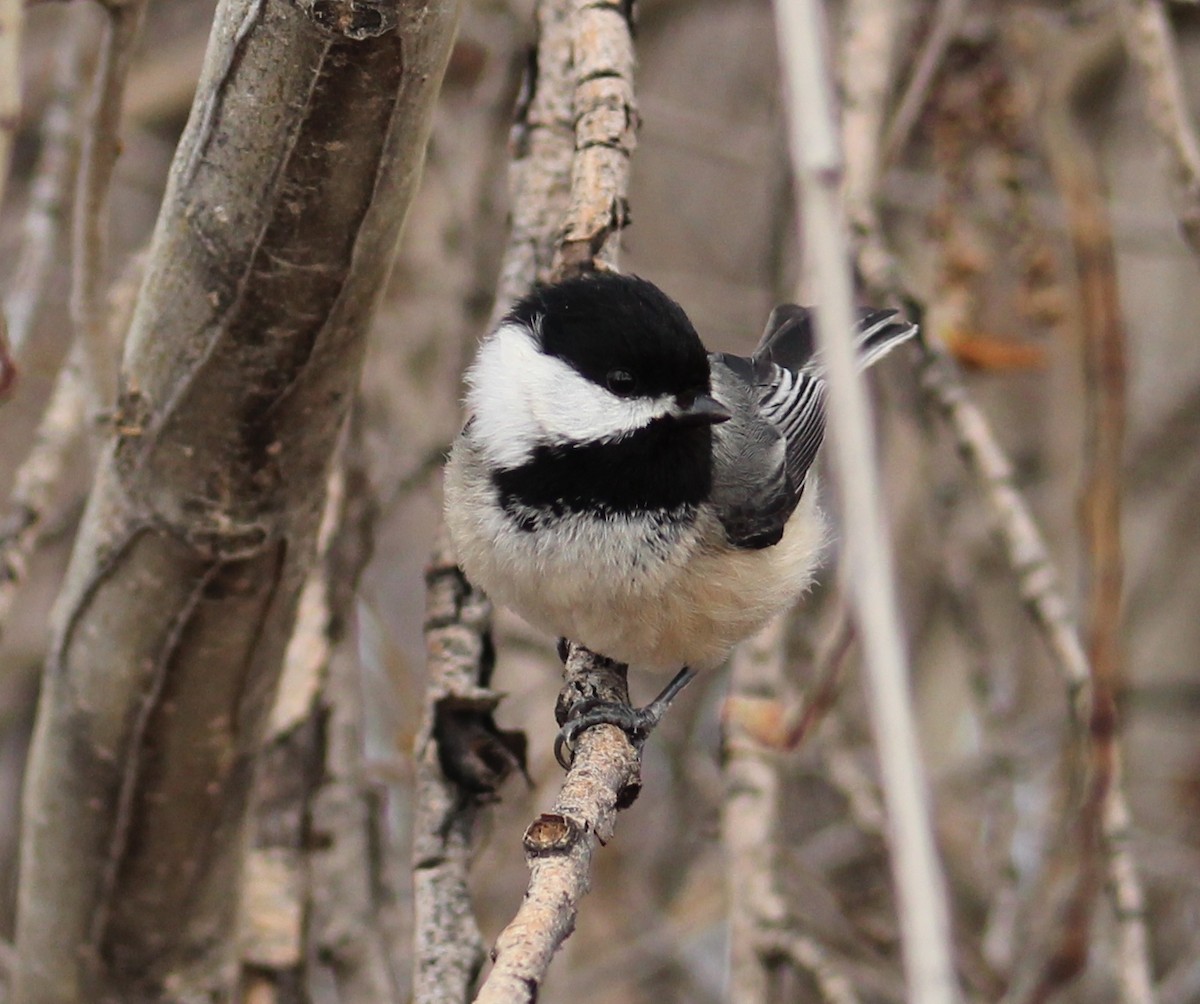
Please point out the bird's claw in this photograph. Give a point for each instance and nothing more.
(636, 723)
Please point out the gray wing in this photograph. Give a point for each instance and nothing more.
(791, 378)
(754, 488)
(762, 456)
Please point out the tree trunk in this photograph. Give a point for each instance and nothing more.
(284, 208)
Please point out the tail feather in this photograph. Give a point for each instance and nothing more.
(880, 331)
(789, 340)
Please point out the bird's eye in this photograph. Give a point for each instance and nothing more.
(621, 382)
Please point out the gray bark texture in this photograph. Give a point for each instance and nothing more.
(284, 207)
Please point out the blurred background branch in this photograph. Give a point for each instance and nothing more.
(957, 210)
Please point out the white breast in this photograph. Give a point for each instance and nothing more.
(652, 595)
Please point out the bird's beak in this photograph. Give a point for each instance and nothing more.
(702, 410)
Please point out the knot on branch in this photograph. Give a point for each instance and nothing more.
(551, 833)
(353, 19)
(473, 751)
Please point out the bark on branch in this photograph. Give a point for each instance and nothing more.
(283, 210)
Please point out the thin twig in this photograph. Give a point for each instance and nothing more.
(51, 187)
(101, 146)
(807, 954)
(1150, 40)
(947, 17)
(1037, 578)
(1077, 175)
(62, 423)
(870, 51)
(35, 481)
(11, 21)
(1041, 593)
(816, 158)
(12, 17)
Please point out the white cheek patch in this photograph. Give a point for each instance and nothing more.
(522, 399)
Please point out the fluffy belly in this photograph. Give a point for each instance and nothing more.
(643, 591)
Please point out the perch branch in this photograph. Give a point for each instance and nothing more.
(559, 845)
(604, 776)
(816, 159)
(449, 948)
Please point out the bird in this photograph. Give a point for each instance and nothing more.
(618, 485)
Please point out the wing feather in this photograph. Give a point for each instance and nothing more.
(783, 384)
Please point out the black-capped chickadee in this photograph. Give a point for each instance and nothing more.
(617, 485)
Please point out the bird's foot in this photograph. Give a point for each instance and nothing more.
(637, 723)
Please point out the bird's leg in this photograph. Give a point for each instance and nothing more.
(637, 723)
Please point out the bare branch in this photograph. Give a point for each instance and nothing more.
(1078, 62)
(1151, 42)
(1041, 593)
(50, 190)
(89, 231)
(871, 42)
(559, 844)
(769, 929)
(816, 159)
(449, 948)
(316, 897)
(947, 17)
(807, 954)
(276, 234)
(749, 816)
(1037, 578)
(605, 135)
(605, 774)
(543, 148)
(63, 423)
(1038, 586)
(35, 481)
(12, 17)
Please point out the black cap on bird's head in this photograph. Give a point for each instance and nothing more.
(625, 334)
